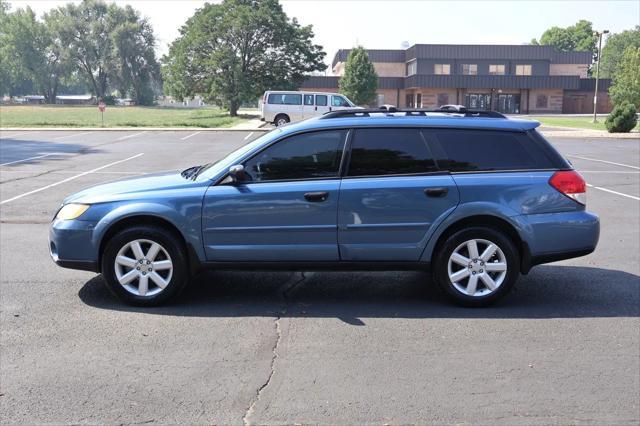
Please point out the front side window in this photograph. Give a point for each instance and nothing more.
(470, 69)
(321, 100)
(376, 152)
(306, 156)
(523, 69)
(308, 99)
(496, 69)
(285, 99)
(442, 69)
(472, 150)
(339, 101)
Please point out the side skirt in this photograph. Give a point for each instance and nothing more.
(318, 266)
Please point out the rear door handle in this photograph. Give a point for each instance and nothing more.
(315, 197)
(436, 192)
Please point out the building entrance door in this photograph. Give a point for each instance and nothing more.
(477, 100)
(508, 103)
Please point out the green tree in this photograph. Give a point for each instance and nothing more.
(626, 79)
(233, 51)
(360, 81)
(33, 52)
(575, 37)
(614, 49)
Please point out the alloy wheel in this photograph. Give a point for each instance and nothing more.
(477, 267)
(143, 267)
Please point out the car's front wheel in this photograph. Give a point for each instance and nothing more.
(145, 265)
(477, 266)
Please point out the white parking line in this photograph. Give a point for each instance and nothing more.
(27, 159)
(71, 136)
(614, 192)
(603, 161)
(616, 172)
(248, 136)
(131, 136)
(187, 137)
(70, 179)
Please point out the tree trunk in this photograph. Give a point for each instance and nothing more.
(233, 108)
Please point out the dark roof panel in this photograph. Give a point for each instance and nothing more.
(330, 82)
(375, 55)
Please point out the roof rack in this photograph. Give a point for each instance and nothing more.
(411, 112)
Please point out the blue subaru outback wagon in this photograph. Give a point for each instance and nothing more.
(472, 196)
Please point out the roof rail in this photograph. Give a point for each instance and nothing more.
(411, 112)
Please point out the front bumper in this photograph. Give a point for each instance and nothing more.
(71, 244)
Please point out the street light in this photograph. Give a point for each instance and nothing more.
(595, 94)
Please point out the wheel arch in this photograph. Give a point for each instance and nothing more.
(282, 114)
(488, 221)
(148, 220)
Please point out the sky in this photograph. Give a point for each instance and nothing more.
(385, 24)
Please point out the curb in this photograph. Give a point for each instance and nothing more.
(130, 129)
(589, 134)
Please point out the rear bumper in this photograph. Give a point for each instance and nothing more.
(559, 236)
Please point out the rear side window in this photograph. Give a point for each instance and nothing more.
(285, 99)
(308, 99)
(478, 150)
(389, 152)
(306, 156)
(321, 100)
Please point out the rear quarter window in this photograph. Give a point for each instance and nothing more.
(484, 150)
(285, 99)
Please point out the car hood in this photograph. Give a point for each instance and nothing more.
(142, 187)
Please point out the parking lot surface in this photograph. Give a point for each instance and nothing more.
(324, 347)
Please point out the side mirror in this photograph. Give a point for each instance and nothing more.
(237, 173)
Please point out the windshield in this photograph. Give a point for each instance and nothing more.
(212, 169)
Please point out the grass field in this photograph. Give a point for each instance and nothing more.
(89, 116)
(577, 122)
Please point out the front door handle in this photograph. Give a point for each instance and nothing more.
(436, 192)
(315, 197)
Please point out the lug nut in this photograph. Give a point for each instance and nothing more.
(144, 273)
(151, 269)
(138, 268)
(481, 270)
(148, 262)
(474, 272)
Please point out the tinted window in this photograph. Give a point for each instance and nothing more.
(389, 152)
(321, 100)
(469, 150)
(339, 101)
(308, 99)
(285, 99)
(306, 156)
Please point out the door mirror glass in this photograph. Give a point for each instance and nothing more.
(237, 173)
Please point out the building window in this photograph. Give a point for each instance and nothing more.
(542, 101)
(443, 99)
(523, 69)
(442, 69)
(496, 69)
(470, 69)
(379, 99)
(418, 100)
(409, 100)
(412, 67)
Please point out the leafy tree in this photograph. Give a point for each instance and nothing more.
(233, 51)
(626, 79)
(360, 80)
(622, 119)
(34, 52)
(575, 37)
(614, 49)
(6, 77)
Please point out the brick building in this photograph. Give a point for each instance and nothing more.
(515, 79)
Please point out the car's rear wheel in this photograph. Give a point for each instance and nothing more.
(145, 265)
(281, 120)
(477, 266)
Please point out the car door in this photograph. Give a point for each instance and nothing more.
(286, 210)
(308, 107)
(391, 196)
(322, 104)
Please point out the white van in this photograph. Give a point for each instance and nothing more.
(282, 107)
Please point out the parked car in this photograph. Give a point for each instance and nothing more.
(474, 197)
(281, 107)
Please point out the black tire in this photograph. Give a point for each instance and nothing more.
(440, 266)
(281, 120)
(169, 242)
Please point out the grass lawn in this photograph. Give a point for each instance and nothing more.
(577, 122)
(114, 116)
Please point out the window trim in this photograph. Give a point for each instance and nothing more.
(523, 68)
(349, 130)
(442, 65)
(504, 69)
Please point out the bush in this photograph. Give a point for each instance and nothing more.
(622, 119)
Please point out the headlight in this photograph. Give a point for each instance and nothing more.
(72, 211)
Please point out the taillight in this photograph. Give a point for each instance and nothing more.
(571, 184)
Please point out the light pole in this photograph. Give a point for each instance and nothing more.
(595, 93)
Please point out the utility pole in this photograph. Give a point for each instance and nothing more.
(595, 94)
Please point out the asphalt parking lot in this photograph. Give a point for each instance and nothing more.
(328, 348)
